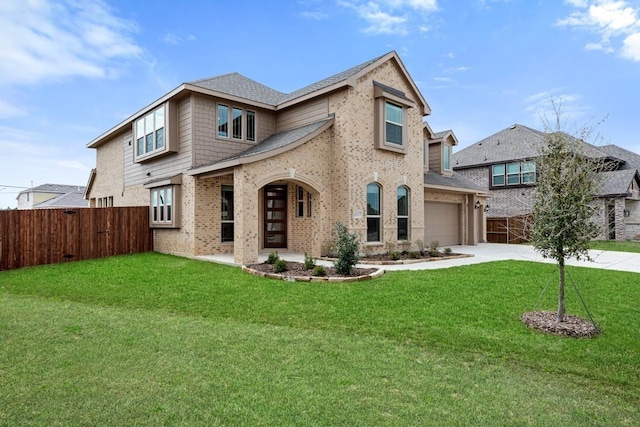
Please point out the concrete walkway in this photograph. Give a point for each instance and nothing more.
(484, 252)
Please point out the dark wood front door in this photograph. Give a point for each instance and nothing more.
(275, 216)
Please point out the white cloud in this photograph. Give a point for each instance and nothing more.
(611, 20)
(174, 39)
(315, 15)
(391, 16)
(631, 47)
(8, 110)
(541, 107)
(43, 40)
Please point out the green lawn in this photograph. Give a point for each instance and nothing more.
(152, 339)
(612, 245)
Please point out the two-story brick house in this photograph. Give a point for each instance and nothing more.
(504, 164)
(228, 165)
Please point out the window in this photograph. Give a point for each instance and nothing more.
(251, 126)
(512, 174)
(150, 132)
(240, 128)
(373, 212)
(226, 216)
(308, 204)
(162, 205)
(393, 123)
(497, 175)
(300, 201)
(223, 120)
(403, 213)
(390, 115)
(446, 156)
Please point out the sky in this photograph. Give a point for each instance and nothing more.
(72, 69)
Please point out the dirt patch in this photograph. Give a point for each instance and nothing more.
(573, 326)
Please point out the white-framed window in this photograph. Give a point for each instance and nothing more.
(446, 156)
(162, 205)
(374, 213)
(235, 123)
(514, 173)
(402, 194)
(391, 118)
(150, 132)
(226, 214)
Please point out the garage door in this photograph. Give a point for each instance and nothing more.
(442, 223)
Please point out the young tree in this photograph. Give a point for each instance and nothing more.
(563, 209)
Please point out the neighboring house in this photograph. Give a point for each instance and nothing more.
(49, 196)
(228, 165)
(504, 164)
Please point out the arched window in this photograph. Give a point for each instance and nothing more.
(374, 213)
(403, 213)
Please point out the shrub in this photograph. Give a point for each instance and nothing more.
(395, 255)
(420, 245)
(272, 258)
(280, 266)
(347, 245)
(309, 262)
(415, 254)
(391, 246)
(319, 270)
(433, 248)
(405, 246)
(447, 251)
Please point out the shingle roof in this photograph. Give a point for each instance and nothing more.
(272, 143)
(516, 142)
(74, 199)
(55, 188)
(238, 85)
(632, 160)
(455, 181)
(616, 183)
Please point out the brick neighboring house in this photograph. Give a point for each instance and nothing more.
(49, 196)
(504, 164)
(228, 165)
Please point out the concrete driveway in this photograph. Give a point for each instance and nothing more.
(485, 252)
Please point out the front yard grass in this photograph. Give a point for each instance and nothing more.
(152, 339)
(613, 245)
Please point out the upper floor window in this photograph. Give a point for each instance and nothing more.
(514, 173)
(446, 157)
(242, 123)
(403, 213)
(150, 132)
(391, 118)
(374, 215)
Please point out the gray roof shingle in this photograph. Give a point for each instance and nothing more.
(632, 160)
(616, 183)
(455, 181)
(516, 142)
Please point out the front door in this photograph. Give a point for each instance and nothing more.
(275, 216)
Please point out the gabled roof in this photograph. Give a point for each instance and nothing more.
(54, 188)
(631, 159)
(271, 146)
(456, 182)
(74, 199)
(517, 142)
(240, 88)
(617, 183)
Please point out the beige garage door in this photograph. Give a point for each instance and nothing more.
(442, 223)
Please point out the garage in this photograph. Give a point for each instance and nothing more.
(442, 223)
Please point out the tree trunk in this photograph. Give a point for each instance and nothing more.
(560, 316)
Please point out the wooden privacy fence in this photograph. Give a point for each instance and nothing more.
(47, 236)
(513, 229)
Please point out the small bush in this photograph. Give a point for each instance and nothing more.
(391, 246)
(309, 262)
(420, 245)
(447, 251)
(280, 266)
(272, 258)
(347, 245)
(319, 271)
(405, 246)
(395, 255)
(433, 248)
(415, 254)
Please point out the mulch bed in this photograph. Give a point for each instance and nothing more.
(296, 269)
(573, 326)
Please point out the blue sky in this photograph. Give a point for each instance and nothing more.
(72, 69)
